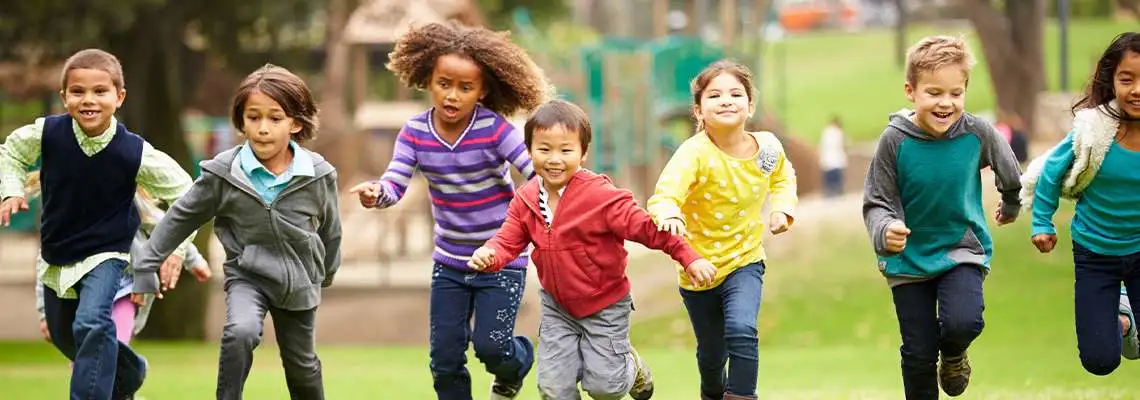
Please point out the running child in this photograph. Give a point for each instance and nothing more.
(579, 222)
(1096, 166)
(91, 167)
(276, 213)
(922, 205)
(462, 145)
(713, 190)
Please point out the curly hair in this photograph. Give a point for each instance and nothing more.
(513, 81)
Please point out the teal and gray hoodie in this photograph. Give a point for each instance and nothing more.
(289, 248)
(933, 185)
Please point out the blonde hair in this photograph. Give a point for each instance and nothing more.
(32, 185)
(934, 52)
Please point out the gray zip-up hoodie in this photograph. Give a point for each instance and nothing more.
(289, 248)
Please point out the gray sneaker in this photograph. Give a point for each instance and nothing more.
(642, 388)
(1131, 347)
(954, 374)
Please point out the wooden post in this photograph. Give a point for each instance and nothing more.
(660, 18)
(728, 24)
(359, 74)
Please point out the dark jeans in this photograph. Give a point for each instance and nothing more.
(1096, 294)
(833, 182)
(246, 307)
(82, 329)
(724, 322)
(491, 300)
(944, 315)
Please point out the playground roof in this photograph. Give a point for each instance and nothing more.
(382, 21)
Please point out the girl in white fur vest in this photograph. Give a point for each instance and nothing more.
(1098, 166)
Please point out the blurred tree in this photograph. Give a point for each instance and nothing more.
(1011, 39)
(163, 45)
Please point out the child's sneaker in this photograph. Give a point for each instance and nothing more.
(954, 374)
(507, 391)
(642, 388)
(1131, 348)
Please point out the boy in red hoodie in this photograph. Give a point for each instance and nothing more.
(578, 222)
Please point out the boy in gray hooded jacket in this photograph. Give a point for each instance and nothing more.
(276, 214)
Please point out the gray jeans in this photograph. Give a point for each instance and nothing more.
(296, 338)
(594, 350)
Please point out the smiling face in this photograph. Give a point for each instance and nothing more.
(1126, 84)
(456, 87)
(724, 103)
(556, 153)
(939, 96)
(267, 127)
(91, 98)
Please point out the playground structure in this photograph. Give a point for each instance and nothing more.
(636, 92)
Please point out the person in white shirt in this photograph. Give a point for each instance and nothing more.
(832, 158)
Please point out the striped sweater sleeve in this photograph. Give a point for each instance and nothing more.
(394, 182)
(512, 147)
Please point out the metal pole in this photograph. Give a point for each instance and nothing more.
(1063, 16)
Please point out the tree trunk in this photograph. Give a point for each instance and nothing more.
(153, 60)
(334, 140)
(1012, 44)
(900, 33)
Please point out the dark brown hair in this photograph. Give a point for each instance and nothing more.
(286, 89)
(559, 112)
(513, 81)
(726, 66)
(1101, 88)
(97, 60)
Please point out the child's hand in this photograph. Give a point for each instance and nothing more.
(701, 272)
(139, 299)
(778, 223)
(1045, 242)
(11, 206)
(673, 225)
(482, 259)
(896, 236)
(201, 272)
(44, 330)
(169, 272)
(1001, 219)
(369, 192)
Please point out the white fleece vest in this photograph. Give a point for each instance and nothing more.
(1093, 133)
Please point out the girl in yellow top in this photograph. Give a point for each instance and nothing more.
(713, 190)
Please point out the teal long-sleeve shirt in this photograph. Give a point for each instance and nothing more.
(1107, 219)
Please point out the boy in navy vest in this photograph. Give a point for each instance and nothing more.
(91, 166)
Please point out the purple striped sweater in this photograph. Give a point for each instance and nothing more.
(469, 182)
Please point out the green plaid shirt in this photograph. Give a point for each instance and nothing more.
(159, 175)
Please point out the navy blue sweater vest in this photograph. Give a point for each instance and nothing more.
(88, 202)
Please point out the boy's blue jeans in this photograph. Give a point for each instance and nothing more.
(1096, 298)
(491, 301)
(83, 331)
(724, 322)
(940, 315)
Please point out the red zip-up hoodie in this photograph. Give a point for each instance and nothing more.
(581, 256)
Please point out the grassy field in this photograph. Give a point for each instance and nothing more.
(827, 332)
(857, 77)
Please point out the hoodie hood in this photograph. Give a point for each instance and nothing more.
(900, 120)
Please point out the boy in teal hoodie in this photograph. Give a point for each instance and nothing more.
(922, 206)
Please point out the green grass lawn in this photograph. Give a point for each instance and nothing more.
(827, 332)
(857, 77)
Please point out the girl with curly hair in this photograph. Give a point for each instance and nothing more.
(462, 145)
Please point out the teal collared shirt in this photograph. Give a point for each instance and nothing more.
(267, 185)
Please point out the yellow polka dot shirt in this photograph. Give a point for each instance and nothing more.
(721, 199)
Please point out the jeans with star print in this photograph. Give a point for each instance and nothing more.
(479, 308)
